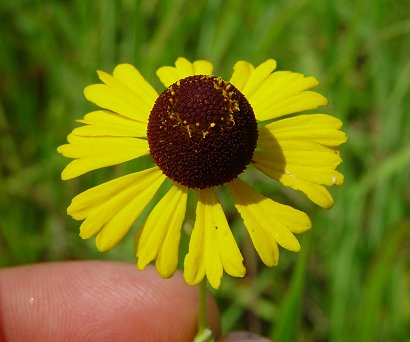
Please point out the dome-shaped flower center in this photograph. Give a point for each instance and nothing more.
(202, 132)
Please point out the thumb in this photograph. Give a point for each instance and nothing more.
(96, 301)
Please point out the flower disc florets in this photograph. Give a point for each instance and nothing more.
(202, 132)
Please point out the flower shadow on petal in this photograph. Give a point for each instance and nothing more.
(269, 157)
(268, 222)
(307, 174)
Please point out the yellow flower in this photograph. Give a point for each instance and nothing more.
(202, 132)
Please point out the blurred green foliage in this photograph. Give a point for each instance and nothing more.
(351, 282)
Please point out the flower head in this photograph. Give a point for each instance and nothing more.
(202, 132)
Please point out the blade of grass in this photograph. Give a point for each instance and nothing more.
(290, 309)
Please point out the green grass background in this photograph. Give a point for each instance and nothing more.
(351, 281)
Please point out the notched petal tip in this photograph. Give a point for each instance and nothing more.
(327, 205)
(60, 149)
(141, 263)
(314, 82)
(190, 280)
(102, 75)
(343, 136)
(320, 100)
(104, 246)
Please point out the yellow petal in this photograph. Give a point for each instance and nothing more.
(306, 100)
(322, 176)
(262, 239)
(295, 220)
(212, 248)
(183, 68)
(315, 192)
(213, 264)
(168, 75)
(300, 152)
(320, 159)
(257, 78)
(231, 258)
(313, 170)
(85, 203)
(138, 98)
(121, 97)
(106, 123)
(103, 213)
(306, 121)
(125, 209)
(194, 262)
(281, 85)
(241, 73)
(267, 221)
(162, 231)
(273, 94)
(283, 92)
(132, 78)
(320, 128)
(92, 153)
(202, 67)
(86, 147)
(315, 166)
(268, 141)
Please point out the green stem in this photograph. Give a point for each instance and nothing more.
(202, 316)
(204, 333)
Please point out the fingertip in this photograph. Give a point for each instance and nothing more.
(76, 301)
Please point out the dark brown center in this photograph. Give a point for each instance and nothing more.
(202, 132)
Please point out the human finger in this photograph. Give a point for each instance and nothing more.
(97, 301)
